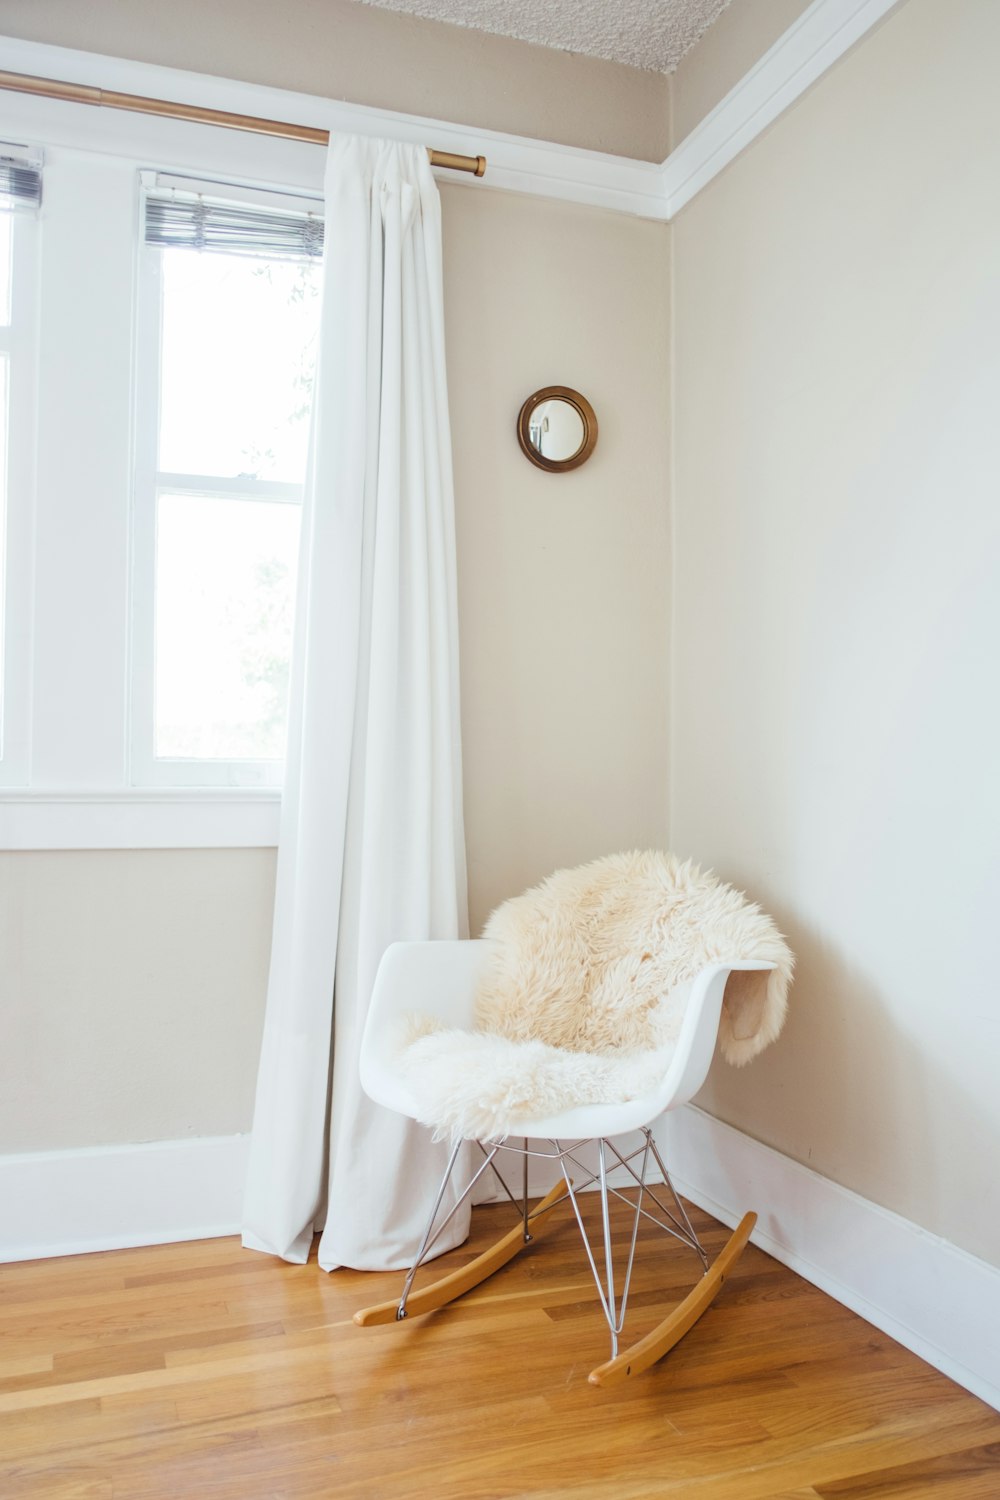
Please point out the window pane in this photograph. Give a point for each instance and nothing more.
(6, 231)
(225, 586)
(239, 340)
(3, 534)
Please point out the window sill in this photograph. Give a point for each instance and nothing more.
(175, 819)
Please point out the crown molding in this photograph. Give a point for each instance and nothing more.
(516, 163)
(648, 190)
(807, 50)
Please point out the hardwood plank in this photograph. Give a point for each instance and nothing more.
(973, 1474)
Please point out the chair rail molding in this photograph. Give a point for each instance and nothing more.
(649, 190)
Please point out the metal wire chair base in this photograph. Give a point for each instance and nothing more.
(613, 1293)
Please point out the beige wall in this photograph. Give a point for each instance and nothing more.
(744, 31)
(131, 994)
(835, 621)
(562, 577)
(132, 984)
(837, 615)
(339, 49)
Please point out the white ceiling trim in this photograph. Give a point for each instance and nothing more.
(516, 163)
(806, 51)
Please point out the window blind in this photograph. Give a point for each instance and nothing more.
(182, 212)
(20, 176)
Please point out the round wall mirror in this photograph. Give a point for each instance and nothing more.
(557, 428)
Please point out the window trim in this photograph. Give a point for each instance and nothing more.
(76, 747)
(176, 818)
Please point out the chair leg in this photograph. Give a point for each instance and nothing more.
(646, 1351)
(612, 1305)
(447, 1288)
(426, 1242)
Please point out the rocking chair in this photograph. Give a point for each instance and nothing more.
(441, 982)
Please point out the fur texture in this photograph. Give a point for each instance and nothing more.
(585, 993)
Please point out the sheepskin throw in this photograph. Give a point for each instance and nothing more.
(584, 995)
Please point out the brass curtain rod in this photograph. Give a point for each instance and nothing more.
(85, 93)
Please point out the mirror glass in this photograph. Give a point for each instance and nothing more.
(556, 430)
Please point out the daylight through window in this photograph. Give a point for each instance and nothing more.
(227, 351)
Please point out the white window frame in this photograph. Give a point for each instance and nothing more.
(146, 768)
(70, 552)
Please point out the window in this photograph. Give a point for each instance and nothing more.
(229, 302)
(20, 193)
(157, 339)
(5, 301)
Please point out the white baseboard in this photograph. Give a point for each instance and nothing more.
(924, 1292)
(114, 1197)
(157, 1193)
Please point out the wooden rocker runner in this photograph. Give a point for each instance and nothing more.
(738, 1000)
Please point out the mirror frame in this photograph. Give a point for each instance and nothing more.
(587, 417)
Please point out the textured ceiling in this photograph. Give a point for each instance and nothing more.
(652, 34)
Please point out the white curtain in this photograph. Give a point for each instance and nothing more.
(371, 846)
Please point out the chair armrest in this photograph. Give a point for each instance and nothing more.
(696, 1044)
(683, 1077)
(434, 979)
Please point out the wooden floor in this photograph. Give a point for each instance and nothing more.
(203, 1370)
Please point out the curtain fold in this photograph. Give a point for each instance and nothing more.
(371, 847)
